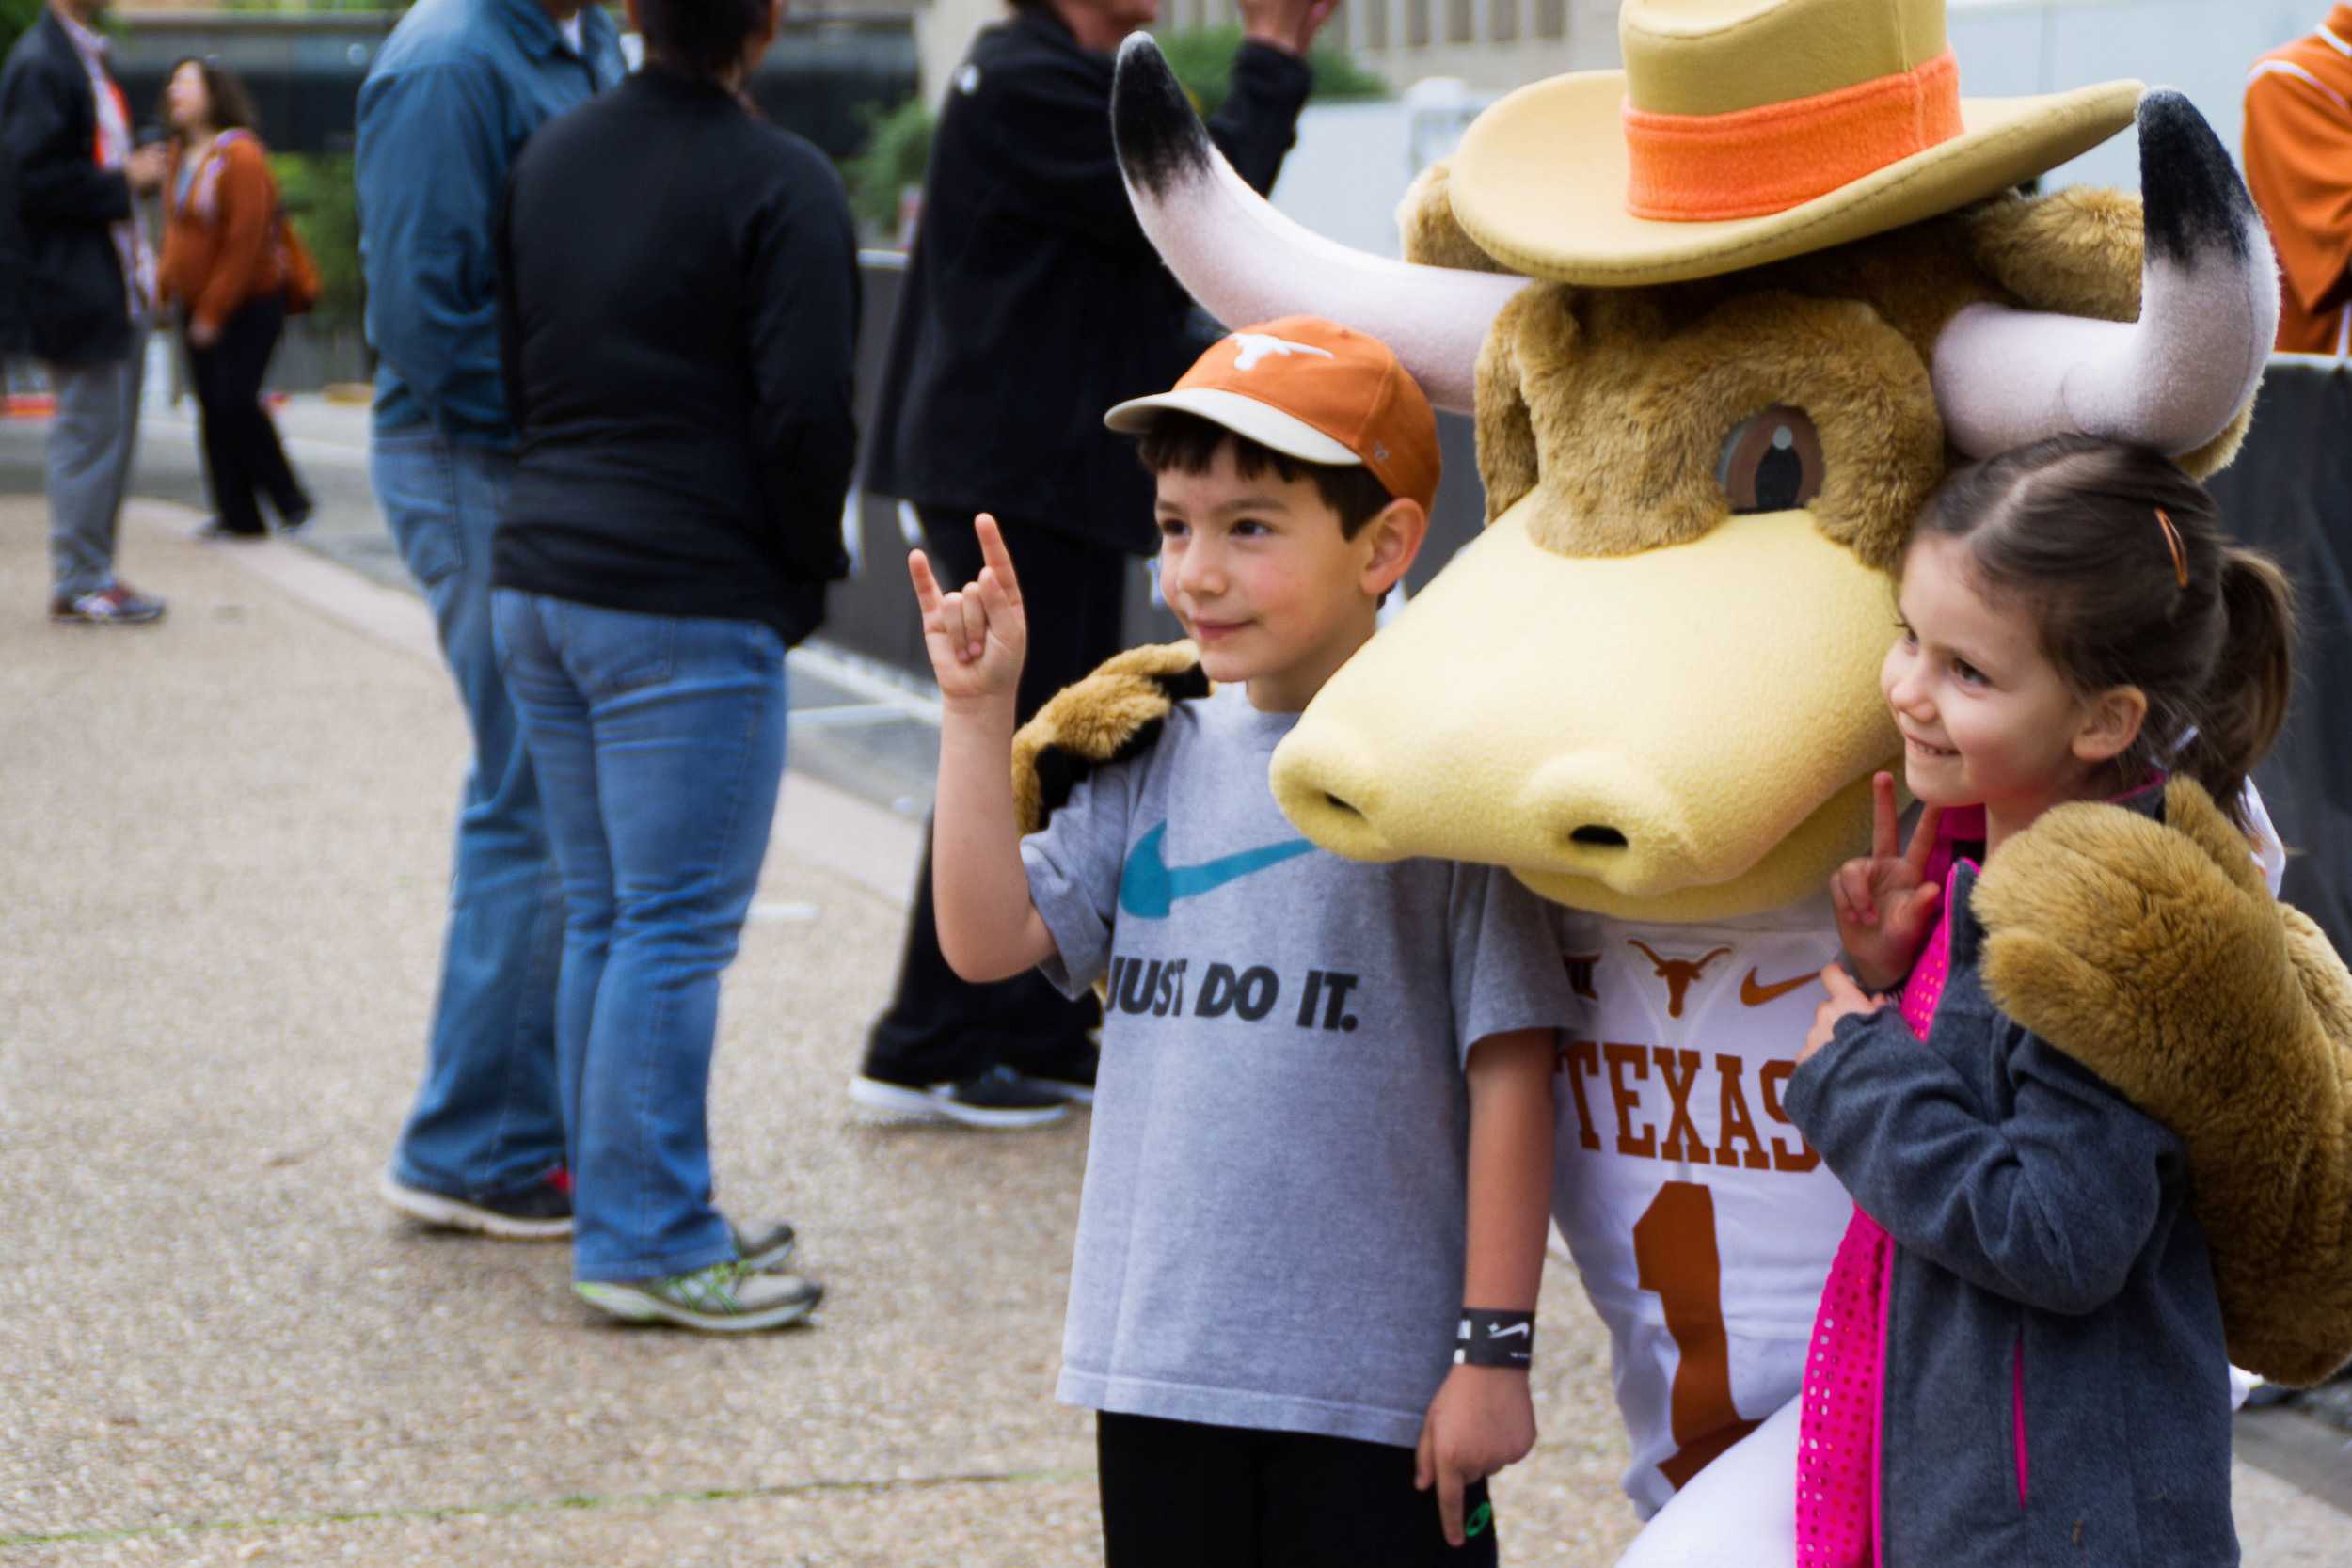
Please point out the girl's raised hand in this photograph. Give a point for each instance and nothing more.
(978, 635)
(1885, 904)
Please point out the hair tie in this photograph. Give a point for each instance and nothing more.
(2172, 542)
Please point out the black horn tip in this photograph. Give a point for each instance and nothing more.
(2191, 192)
(1160, 139)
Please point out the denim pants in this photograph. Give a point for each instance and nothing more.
(487, 1117)
(86, 465)
(659, 742)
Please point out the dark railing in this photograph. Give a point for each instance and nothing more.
(2290, 492)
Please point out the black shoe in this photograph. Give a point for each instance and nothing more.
(1066, 1073)
(214, 529)
(999, 1097)
(540, 1212)
(292, 523)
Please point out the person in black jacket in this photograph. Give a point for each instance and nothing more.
(677, 315)
(16, 324)
(88, 288)
(1033, 302)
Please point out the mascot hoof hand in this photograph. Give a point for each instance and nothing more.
(2152, 954)
(1113, 713)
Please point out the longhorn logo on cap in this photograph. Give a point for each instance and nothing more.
(1250, 347)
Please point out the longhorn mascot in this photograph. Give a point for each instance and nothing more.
(1726, 318)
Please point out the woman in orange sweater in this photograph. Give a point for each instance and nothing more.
(224, 266)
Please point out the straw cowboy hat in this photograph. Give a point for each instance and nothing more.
(1742, 132)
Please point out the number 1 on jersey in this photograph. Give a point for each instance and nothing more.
(1676, 1259)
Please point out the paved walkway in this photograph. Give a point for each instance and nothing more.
(225, 850)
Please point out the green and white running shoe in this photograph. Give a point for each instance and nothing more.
(725, 1298)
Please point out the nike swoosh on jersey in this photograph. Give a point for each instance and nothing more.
(1149, 887)
(1754, 995)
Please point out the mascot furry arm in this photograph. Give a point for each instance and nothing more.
(2152, 954)
(1113, 713)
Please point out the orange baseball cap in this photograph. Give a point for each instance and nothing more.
(1311, 390)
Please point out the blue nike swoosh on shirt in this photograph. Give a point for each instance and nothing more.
(1149, 887)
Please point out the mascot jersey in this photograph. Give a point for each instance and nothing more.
(1702, 1224)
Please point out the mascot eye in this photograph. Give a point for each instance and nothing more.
(1772, 462)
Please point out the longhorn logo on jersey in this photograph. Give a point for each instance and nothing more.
(1678, 973)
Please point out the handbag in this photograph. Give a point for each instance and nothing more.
(304, 286)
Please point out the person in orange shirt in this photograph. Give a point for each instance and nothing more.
(2298, 165)
(226, 266)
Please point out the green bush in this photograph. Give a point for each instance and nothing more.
(323, 205)
(898, 151)
(1203, 59)
(15, 17)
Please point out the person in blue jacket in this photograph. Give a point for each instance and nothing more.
(458, 88)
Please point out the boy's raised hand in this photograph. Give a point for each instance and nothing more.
(1885, 904)
(978, 635)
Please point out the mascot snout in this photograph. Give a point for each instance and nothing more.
(1594, 722)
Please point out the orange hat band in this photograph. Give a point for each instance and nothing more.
(1690, 168)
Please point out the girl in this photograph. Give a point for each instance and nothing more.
(2026, 1363)
(229, 264)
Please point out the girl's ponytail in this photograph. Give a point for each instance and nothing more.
(2244, 704)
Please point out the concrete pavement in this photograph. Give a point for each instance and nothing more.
(225, 851)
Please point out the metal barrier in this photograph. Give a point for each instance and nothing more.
(2290, 493)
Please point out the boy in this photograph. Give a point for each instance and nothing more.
(1313, 1220)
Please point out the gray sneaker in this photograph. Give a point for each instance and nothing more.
(724, 1298)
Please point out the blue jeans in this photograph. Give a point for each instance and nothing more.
(487, 1119)
(659, 742)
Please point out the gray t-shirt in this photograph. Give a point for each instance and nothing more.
(1272, 1227)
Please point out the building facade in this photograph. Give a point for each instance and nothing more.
(1491, 45)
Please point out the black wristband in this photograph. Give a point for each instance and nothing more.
(1495, 1340)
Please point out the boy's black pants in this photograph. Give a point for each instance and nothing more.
(1180, 1494)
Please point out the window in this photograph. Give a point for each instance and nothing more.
(1375, 24)
(1417, 24)
(1503, 21)
(1461, 21)
(1551, 19)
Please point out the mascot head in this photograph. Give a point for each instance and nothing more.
(1726, 318)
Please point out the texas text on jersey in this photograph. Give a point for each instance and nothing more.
(1702, 1224)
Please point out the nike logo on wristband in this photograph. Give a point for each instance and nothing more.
(1519, 1329)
